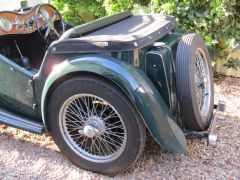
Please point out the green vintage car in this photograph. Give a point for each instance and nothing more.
(98, 87)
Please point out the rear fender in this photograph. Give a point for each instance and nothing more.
(137, 87)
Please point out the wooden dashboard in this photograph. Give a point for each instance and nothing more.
(25, 23)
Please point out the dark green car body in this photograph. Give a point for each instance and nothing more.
(143, 74)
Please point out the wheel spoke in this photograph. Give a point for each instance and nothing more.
(74, 129)
(115, 134)
(76, 138)
(109, 148)
(86, 105)
(78, 114)
(102, 153)
(91, 147)
(113, 141)
(73, 119)
(97, 147)
(112, 123)
(94, 110)
(106, 107)
(114, 127)
(80, 109)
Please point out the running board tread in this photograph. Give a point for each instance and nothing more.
(20, 122)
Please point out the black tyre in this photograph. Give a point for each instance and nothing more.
(95, 125)
(194, 80)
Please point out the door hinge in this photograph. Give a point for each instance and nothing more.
(34, 106)
(30, 82)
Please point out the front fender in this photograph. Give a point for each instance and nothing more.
(139, 89)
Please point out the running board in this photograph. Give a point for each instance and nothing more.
(20, 122)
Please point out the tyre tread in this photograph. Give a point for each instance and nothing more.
(184, 87)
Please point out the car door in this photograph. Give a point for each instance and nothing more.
(16, 88)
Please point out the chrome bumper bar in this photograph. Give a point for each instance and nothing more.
(211, 134)
(218, 116)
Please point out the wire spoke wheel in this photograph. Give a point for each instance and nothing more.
(95, 125)
(92, 127)
(202, 80)
(194, 82)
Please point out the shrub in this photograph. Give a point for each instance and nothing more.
(217, 21)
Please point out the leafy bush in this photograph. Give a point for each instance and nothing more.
(217, 21)
(233, 63)
(74, 11)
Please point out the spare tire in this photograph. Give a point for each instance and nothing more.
(194, 81)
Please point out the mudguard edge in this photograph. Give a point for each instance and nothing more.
(138, 88)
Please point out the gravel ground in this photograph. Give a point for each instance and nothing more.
(28, 156)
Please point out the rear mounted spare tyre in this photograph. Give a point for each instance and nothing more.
(95, 125)
(194, 80)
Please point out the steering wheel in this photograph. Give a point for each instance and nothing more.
(46, 17)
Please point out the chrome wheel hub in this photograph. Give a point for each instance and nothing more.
(95, 126)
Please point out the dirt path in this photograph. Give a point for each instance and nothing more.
(27, 156)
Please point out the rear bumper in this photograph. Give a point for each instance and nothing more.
(218, 116)
(211, 134)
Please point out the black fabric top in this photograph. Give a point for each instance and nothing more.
(127, 34)
(95, 25)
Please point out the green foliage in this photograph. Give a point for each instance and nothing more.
(233, 63)
(113, 6)
(140, 9)
(74, 11)
(218, 21)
